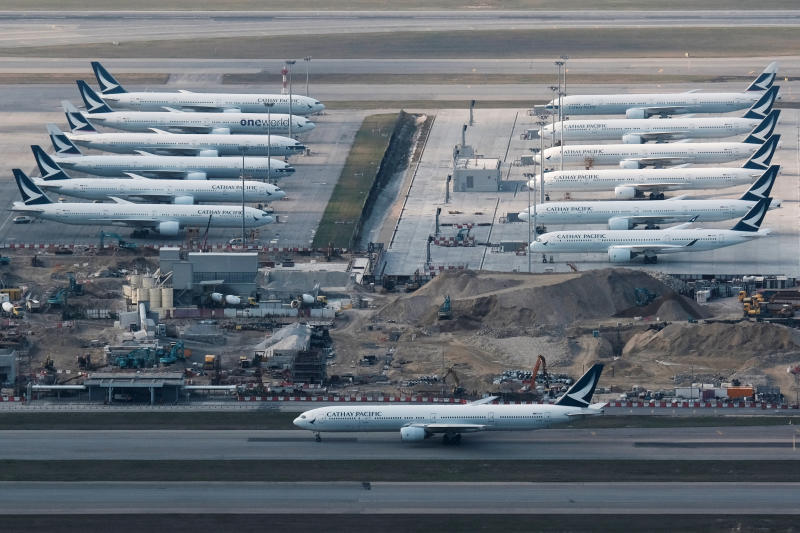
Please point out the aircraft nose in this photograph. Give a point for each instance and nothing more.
(298, 422)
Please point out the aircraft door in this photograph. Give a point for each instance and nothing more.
(490, 418)
(433, 418)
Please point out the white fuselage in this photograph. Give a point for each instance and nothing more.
(360, 417)
(189, 122)
(153, 190)
(670, 128)
(214, 102)
(179, 166)
(146, 215)
(650, 154)
(680, 103)
(588, 241)
(188, 143)
(658, 178)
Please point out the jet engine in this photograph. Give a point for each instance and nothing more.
(619, 223)
(636, 112)
(618, 254)
(624, 193)
(196, 176)
(208, 153)
(183, 200)
(221, 131)
(629, 163)
(632, 138)
(412, 434)
(168, 228)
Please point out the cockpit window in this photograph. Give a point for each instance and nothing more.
(302, 416)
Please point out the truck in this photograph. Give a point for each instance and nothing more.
(210, 362)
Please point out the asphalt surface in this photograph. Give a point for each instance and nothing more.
(723, 443)
(387, 497)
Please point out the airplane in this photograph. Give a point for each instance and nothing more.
(627, 214)
(164, 219)
(639, 131)
(162, 142)
(137, 188)
(164, 166)
(661, 155)
(419, 422)
(112, 91)
(647, 105)
(630, 183)
(624, 245)
(189, 122)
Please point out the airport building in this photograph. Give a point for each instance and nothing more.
(195, 272)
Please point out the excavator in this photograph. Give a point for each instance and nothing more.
(458, 391)
(529, 386)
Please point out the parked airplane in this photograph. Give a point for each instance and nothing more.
(647, 105)
(624, 245)
(167, 220)
(164, 166)
(112, 91)
(419, 422)
(137, 188)
(627, 214)
(661, 155)
(630, 183)
(166, 143)
(638, 131)
(190, 122)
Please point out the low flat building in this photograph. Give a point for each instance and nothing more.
(476, 174)
(8, 366)
(139, 387)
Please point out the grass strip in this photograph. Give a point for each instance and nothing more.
(360, 169)
(466, 44)
(404, 470)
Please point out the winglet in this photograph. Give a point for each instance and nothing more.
(762, 187)
(108, 84)
(581, 392)
(763, 105)
(751, 222)
(764, 129)
(762, 157)
(31, 193)
(49, 169)
(764, 80)
(94, 104)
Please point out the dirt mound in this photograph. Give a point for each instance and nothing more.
(737, 341)
(500, 301)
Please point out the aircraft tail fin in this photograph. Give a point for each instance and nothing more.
(77, 121)
(581, 392)
(108, 84)
(764, 80)
(61, 143)
(751, 222)
(49, 169)
(764, 129)
(762, 157)
(762, 187)
(763, 105)
(31, 193)
(94, 104)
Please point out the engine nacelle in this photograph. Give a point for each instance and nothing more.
(619, 255)
(168, 228)
(208, 153)
(624, 193)
(636, 112)
(221, 131)
(183, 200)
(230, 299)
(632, 138)
(231, 110)
(619, 223)
(196, 176)
(629, 163)
(412, 434)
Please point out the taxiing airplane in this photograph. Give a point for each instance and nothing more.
(112, 91)
(167, 220)
(137, 188)
(624, 245)
(190, 122)
(167, 143)
(630, 183)
(165, 166)
(647, 105)
(639, 131)
(628, 214)
(419, 422)
(661, 155)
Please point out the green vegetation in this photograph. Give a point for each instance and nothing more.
(347, 201)
(546, 42)
(479, 470)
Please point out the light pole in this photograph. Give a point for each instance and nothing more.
(553, 115)
(307, 59)
(560, 64)
(542, 121)
(529, 176)
(289, 63)
(269, 105)
(564, 59)
(244, 149)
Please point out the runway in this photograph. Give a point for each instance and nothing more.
(723, 443)
(387, 497)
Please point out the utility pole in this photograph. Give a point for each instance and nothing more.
(307, 59)
(289, 63)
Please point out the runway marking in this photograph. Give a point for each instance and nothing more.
(712, 444)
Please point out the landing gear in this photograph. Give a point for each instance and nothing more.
(652, 226)
(656, 195)
(317, 436)
(449, 439)
(650, 259)
(139, 233)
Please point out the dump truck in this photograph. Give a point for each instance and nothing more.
(210, 362)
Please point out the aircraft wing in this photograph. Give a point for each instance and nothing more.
(659, 161)
(661, 136)
(659, 219)
(664, 110)
(450, 428)
(657, 187)
(153, 198)
(655, 248)
(163, 173)
(137, 222)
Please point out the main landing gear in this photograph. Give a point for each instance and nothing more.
(454, 439)
(656, 195)
(650, 259)
(317, 436)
